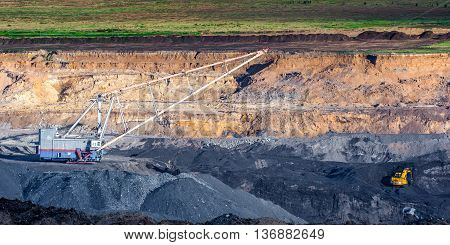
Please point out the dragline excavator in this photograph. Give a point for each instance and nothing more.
(72, 148)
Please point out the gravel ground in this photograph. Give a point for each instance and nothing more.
(124, 186)
(332, 179)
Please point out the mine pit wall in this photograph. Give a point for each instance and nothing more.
(281, 94)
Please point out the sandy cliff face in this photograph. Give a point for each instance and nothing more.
(353, 80)
(281, 94)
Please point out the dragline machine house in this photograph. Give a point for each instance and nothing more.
(72, 148)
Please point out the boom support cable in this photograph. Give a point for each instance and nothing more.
(253, 56)
(138, 85)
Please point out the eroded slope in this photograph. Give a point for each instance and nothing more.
(282, 94)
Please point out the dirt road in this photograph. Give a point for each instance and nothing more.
(364, 41)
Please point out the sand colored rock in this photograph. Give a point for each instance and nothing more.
(281, 94)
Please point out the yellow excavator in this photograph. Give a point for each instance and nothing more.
(400, 178)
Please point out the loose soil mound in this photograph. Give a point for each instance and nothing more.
(193, 198)
(225, 42)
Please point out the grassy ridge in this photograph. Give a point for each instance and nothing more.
(103, 18)
(198, 28)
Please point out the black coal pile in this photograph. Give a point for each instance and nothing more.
(15, 212)
(336, 179)
(187, 197)
(332, 179)
(231, 219)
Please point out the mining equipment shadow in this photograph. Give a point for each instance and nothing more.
(245, 79)
(24, 158)
(164, 169)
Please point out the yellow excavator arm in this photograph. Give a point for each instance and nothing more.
(405, 172)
